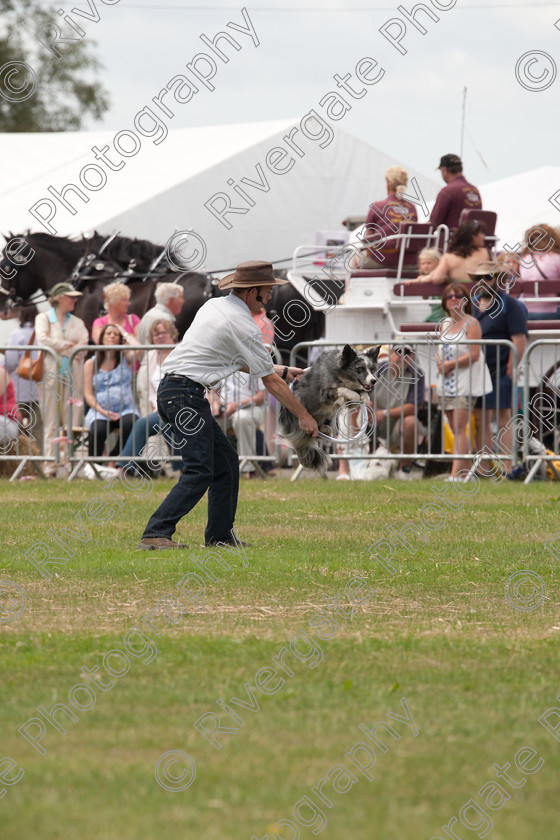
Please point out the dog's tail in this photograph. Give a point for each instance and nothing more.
(313, 457)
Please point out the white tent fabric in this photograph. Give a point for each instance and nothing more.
(163, 188)
(522, 201)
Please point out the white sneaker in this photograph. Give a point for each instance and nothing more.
(402, 475)
(103, 472)
(106, 472)
(343, 477)
(88, 472)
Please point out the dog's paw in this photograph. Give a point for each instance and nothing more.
(346, 395)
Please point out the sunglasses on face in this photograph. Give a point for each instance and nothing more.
(457, 297)
(402, 351)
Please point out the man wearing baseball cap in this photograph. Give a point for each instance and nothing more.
(222, 339)
(456, 196)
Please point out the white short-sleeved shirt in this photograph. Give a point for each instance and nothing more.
(241, 387)
(222, 339)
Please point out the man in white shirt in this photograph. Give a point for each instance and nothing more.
(169, 302)
(222, 339)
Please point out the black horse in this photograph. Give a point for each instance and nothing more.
(59, 259)
(91, 263)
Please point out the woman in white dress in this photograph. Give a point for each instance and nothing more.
(464, 375)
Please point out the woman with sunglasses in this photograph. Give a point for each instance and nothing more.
(465, 252)
(462, 367)
(162, 332)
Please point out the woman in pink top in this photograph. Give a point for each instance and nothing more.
(541, 263)
(10, 417)
(117, 301)
(266, 326)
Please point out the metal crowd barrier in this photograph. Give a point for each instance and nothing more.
(142, 449)
(534, 426)
(22, 440)
(541, 415)
(247, 421)
(431, 441)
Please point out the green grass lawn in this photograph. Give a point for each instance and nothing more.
(476, 672)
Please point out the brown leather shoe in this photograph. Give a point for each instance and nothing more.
(158, 544)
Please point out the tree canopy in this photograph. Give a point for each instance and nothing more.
(42, 88)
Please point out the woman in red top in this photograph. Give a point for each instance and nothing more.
(383, 221)
(10, 418)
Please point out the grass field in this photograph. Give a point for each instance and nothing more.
(476, 671)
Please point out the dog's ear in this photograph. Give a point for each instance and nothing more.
(373, 352)
(348, 354)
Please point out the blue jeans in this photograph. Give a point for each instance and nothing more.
(136, 441)
(209, 463)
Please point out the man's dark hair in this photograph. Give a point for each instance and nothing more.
(452, 163)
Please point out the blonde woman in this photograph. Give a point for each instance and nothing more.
(464, 375)
(384, 218)
(117, 300)
(63, 332)
(162, 332)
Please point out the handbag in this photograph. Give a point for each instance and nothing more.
(29, 368)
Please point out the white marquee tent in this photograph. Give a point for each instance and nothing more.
(164, 187)
(522, 201)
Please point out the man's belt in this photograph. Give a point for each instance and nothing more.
(185, 380)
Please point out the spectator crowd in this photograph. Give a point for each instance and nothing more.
(105, 398)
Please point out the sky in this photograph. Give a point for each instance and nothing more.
(504, 54)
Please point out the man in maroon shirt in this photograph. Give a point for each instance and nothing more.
(456, 196)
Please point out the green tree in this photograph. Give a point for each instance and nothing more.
(45, 88)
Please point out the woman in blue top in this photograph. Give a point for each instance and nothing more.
(108, 391)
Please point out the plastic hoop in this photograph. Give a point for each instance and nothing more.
(360, 434)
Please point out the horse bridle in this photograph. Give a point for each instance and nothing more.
(9, 301)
